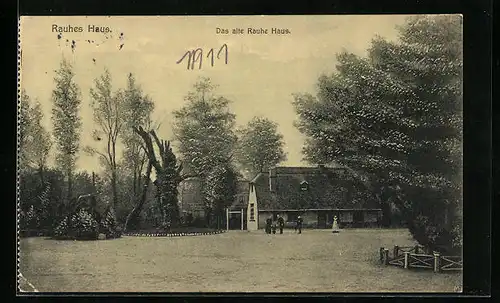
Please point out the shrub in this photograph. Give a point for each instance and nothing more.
(31, 218)
(61, 229)
(84, 225)
(109, 225)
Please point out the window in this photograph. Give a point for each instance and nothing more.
(252, 212)
(292, 216)
(304, 186)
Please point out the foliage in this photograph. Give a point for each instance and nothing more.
(109, 225)
(108, 116)
(35, 141)
(30, 219)
(87, 220)
(24, 118)
(43, 201)
(83, 225)
(204, 129)
(168, 175)
(260, 146)
(168, 182)
(66, 120)
(219, 190)
(137, 112)
(61, 229)
(396, 118)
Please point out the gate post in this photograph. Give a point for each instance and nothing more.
(227, 218)
(242, 219)
(406, 259)
(396, 251)
(437, 262)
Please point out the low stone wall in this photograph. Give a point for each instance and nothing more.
(184, 234)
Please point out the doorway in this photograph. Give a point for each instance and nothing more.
(235, 219)
(322, 219)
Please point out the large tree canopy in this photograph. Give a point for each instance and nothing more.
(204, 129)
(396, 116)
(260, 146)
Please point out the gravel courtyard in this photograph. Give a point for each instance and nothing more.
(237, 261)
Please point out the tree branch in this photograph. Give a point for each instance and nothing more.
(161, 147)
(91, 151)
(148, 147)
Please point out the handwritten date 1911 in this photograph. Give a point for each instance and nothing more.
(196, 56)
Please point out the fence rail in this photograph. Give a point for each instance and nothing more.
(411, 257)
(451, 263)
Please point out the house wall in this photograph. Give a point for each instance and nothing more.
(310, 218)
(346, 218)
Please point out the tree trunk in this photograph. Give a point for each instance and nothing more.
(70, 185)
(114, 189)
(41, 173)
(133, 216)
(134, 184)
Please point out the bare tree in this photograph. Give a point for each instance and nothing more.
(108, 119)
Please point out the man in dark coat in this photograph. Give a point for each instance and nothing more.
(281, 223)
(299, 224)
(269, 221)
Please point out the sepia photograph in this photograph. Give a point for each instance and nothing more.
(247, 154)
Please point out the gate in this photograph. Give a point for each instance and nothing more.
(235, 219)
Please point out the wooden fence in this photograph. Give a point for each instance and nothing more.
(419, 257)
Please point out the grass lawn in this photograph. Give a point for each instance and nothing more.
(237, 261)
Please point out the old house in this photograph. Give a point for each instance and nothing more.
(315, 193)
(190, 199)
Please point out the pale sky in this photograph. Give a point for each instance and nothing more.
(262, 72)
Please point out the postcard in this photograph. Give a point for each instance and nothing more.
(248, 154)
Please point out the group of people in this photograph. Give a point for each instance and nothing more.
(272, 226)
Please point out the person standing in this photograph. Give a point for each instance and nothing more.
(268, 225)
(281, 223)
(299, 224)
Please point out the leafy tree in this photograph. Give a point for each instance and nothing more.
(44, 199)
(137, 112)
(24, 119)
(396, 117)
(219, 191)
(39, 142)
(66, 120)
(35, 141)
(109, 120)
(204, 129)
(168, 176)
(260, 146)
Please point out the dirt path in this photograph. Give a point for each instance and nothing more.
(236, 261)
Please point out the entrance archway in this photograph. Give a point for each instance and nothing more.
(235, 219)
